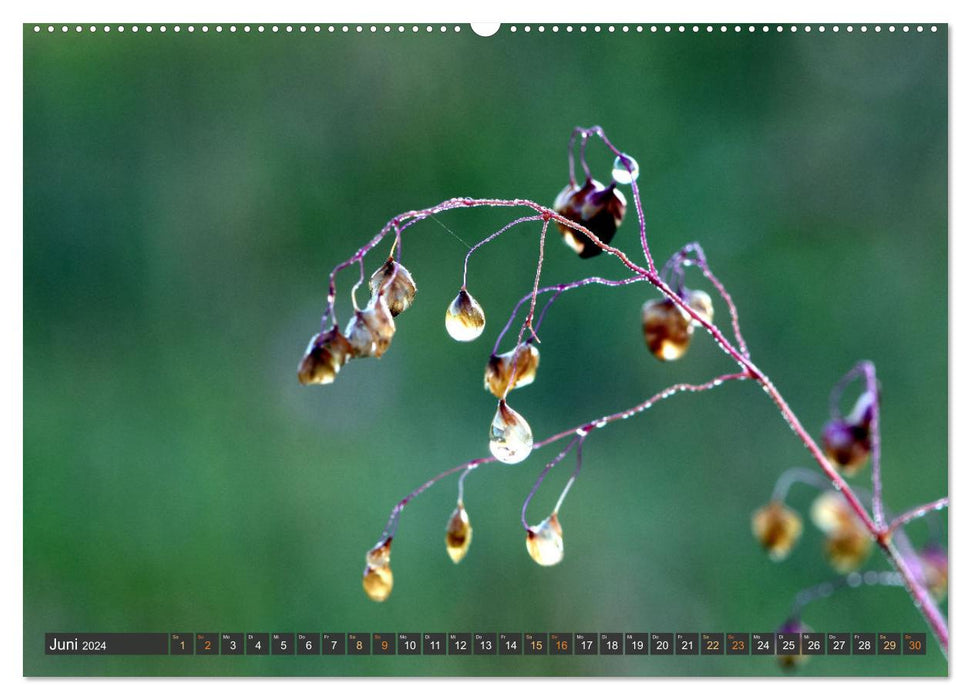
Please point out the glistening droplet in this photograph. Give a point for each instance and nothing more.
(510, 437)
(464, 319)
(621, 174)
(545, 542)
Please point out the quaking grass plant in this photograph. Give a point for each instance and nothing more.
(587, 214)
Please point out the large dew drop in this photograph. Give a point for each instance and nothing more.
(621, 174)
(510, 437)
(545, 542)
(464, 319)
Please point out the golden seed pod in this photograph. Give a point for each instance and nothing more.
(777, 528)
(377, 579)
(594, 206)
(829, 512)
(545, 542)
(326, 353)
(499, 369)
(370, 331)
(394, 280)
(510, 437)
(667, 329)
(464, 319)
(458, 534)
(848, 548)
(700, 302)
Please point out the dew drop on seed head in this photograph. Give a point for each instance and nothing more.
(620, 173)
(510, 437)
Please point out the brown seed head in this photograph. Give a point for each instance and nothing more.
(324, 357)
(594, 206)
(847, 548)
(395, 282)
(667, 330)
(370, 331)
(499, 369)
(458, 534)
(777, 528)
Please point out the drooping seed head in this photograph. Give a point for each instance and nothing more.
(829, 512)
(846, 445)
(464, 319)
(667, 329)
(370, 331)
(377, 578)
(458, 534)
(598, 208)
(510, 437)
(395, 282)
(326, 353)
(545, 542)
(700, 301)
(848, 543)
(777, 528)
(499, 369)
(848, 548)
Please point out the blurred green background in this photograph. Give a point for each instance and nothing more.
(185, 196)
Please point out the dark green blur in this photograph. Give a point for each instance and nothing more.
(185, 196)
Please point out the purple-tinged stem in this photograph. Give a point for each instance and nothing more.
(797, 475)
(558, 289)
(542, 475)
(870, 373)
(635, 192)
(914, 513)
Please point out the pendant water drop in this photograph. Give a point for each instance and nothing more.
(510, 437)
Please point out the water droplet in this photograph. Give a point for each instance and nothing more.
(458, 534)
(464, 319)
(545, 542)
(620, 172)
(377, 579)
(510, 437)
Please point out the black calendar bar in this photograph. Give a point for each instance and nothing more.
(303, 644)
(105, 643)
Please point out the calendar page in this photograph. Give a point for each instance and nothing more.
(548, 349)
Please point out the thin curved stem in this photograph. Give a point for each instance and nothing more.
(914, 513)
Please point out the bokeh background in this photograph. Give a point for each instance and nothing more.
(185, 196)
